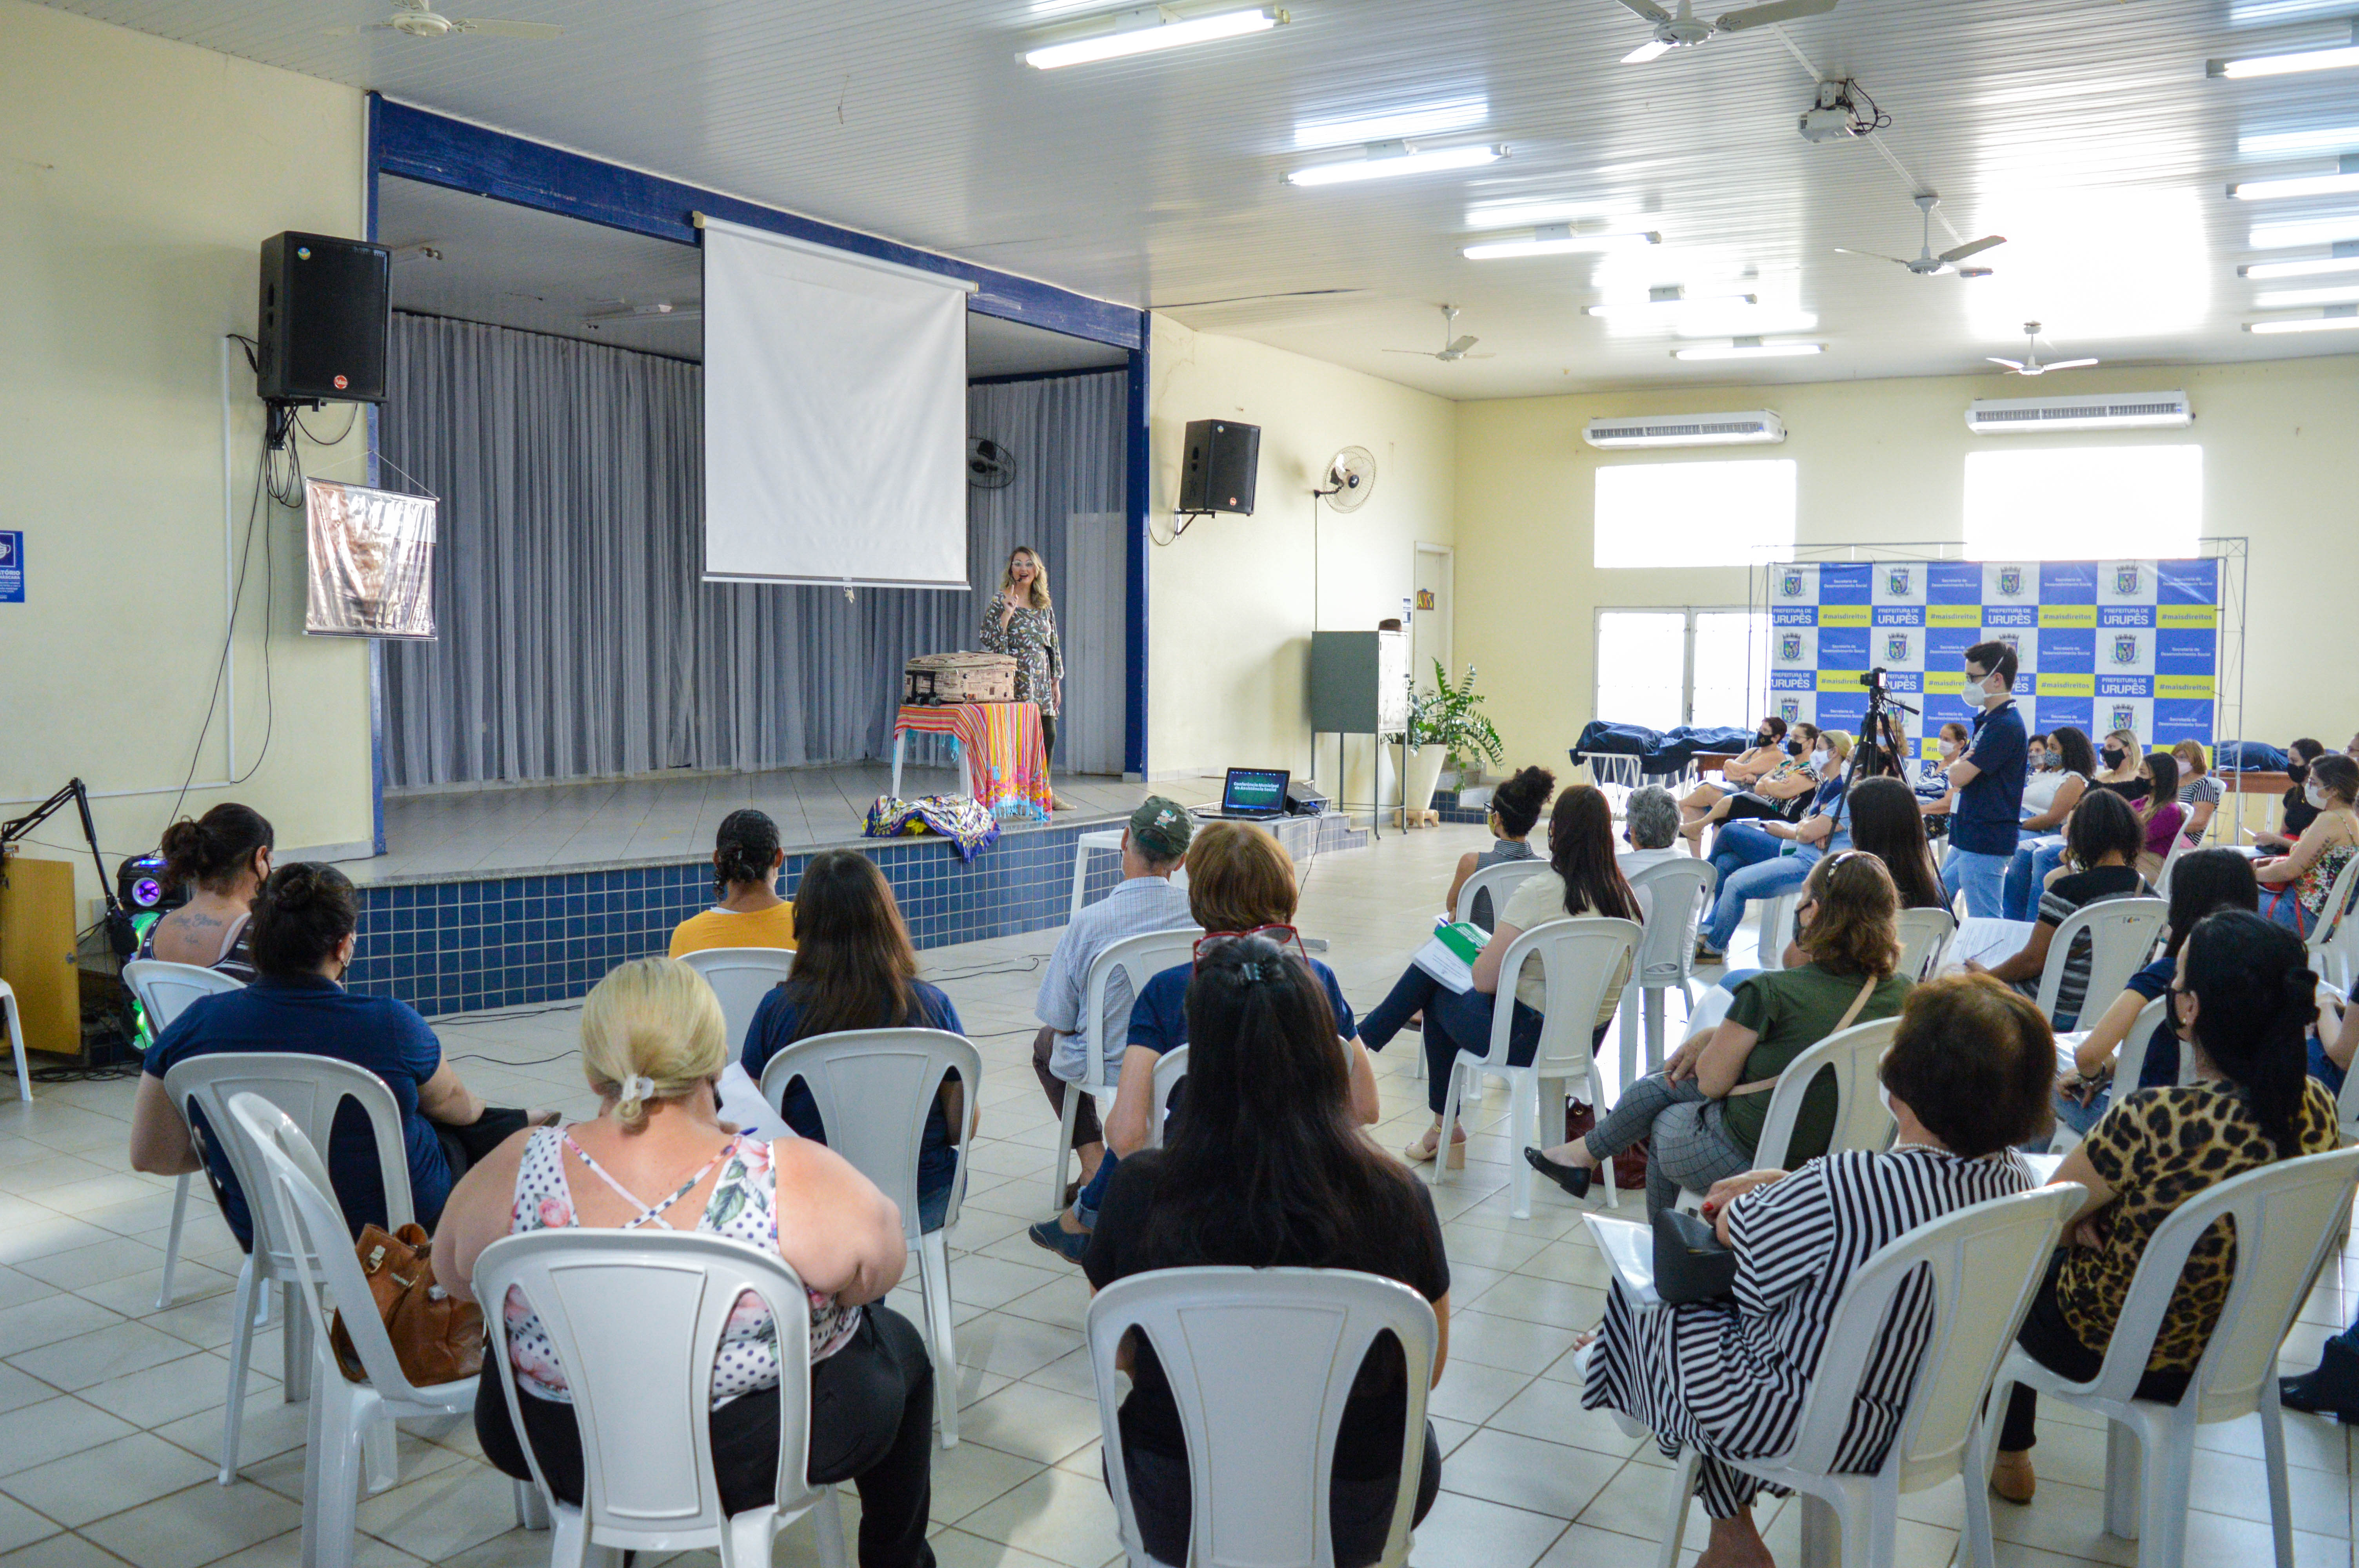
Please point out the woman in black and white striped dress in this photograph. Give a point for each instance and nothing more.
(1967, 1078)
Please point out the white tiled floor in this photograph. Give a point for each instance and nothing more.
(110, 1411)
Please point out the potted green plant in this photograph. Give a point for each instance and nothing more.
(1446, 725)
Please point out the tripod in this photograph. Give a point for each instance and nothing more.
(1882, 746)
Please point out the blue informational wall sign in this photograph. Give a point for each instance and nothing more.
(12, 566)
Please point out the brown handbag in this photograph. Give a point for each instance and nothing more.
(438, 1337)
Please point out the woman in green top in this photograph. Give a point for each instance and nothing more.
(1702, 1113)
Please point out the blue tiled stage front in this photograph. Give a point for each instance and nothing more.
(466, 944)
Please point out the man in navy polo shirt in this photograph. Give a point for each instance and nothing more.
(1989, 781)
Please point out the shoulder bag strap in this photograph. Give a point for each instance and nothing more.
(1762, 1086)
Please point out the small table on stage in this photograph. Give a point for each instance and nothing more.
(998, 746)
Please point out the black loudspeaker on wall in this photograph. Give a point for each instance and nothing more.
(327, 312)
(1217, 475)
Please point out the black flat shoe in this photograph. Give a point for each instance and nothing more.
(2333, 1389)
(1571, 1178)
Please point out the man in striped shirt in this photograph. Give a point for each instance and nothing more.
(1153, 846)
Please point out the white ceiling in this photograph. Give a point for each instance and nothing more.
(2084, 130)
(518, 266)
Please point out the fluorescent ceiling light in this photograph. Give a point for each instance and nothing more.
(1432, 119)
(2309, 231)
(1671, 294)
(1747, 348)
(1559, 239)
(2315, 266)
(1386, 159)
(661, 309)
(2273, 142)
(2338, 184)
(2286, 299)
(2259, 13)
(2345, 321)
(2341, 59)
(1145, 31)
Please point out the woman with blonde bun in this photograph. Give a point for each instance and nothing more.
(657, 1157)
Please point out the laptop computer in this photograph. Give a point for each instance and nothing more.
(1255, 794)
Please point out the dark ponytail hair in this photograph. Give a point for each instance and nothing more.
(745, 851)
(212, 849)
(1580, 851)
(2205, 881)
(301, 916)
(1517, 802)
(2254, 998)
(2080, 757)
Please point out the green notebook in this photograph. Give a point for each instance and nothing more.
(1449, 954)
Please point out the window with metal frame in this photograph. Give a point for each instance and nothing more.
(1663, 668)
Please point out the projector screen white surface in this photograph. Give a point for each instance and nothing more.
(834, 416)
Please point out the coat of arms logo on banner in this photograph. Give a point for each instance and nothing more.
(2010, 581)
(2125, 577)
(1790, 585)
(2126, 648)
(1896, 583)
(1896, 648)
(1789, 646)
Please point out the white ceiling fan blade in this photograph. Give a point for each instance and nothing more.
(1421, 354)
(354, 32)
(2068, 364)
(2015, 365)
(1478, 356)
(491, 28)
(1649, 10)
(1776, 11)
(1973, 248)
(1653, 49)
(1460, 345)
(1973, 271)
(1872, 255)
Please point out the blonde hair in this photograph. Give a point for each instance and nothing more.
(1040, 600)
(655, 1020)
(1838, 745)
(2192, 751)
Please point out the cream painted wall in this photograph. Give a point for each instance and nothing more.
(1232, 604)
(1884, 460)
(138, 177)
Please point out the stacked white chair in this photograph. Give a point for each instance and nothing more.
(604, 1297)
(310, 1090)
(2122, 933)
(1141, 958)
(1924, 936)
(1778, 927)
(2179, 849)
(1261, 1362)
(875, 1088)
(1861, 1121)
(1677, 893)
(165, 991)
(1169, 1068)
(1580, 959)
(2286, 1217)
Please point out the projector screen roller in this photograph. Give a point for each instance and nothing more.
(834, 416)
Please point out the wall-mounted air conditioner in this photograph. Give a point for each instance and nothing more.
(1755, 428)
(2109, 411)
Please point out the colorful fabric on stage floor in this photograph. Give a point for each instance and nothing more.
(1000, 744)
(961, 818)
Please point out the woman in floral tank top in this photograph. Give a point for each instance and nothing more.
(657, 1158)
(1022, 620)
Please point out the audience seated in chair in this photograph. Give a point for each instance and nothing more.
(2160, 813)
(855, 970)
(2242, 1001)
(1240, 882)
(1153, 844)
(2101, 846)
(1967, 1077)
(223, 859)
(653, 1046)
(1265, 1167)
(2049, 796)
(1936, 797)
(1755, 762)
(1702, 1113)
(1650, 825)
(1583, 881)
(1514, 805)
(301, 937)
(2294, 886)
(1759, 861)
(2294, 810)
(2199, 789)
(749, 911)
(1781, 797)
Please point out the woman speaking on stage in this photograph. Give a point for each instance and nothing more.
(1022, 621)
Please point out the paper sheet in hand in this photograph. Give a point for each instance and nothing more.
(742, 1102)
(1630, 1247)
(1449, 954)
(1986, 939)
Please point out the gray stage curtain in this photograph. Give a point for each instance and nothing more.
(577, 639)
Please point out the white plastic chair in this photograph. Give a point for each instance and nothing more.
(2333, 942)
(165, 990)
(350, 1440)
(1169, 1068)
(16, 1045)
(1261, 1362)
(310, 1090)
(1679, 891)
(604, 1297)
(1924, 935)
(1499, 881)
(1579, 960)
(2121, 933)
(1140, 959)
(1978, 1269)
(1778, 927)
(874, 1088)
(1861, 1121)
(2285, 1217)
(2179, 848)
(741, 977)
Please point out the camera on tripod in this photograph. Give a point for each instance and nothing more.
(1874, 680)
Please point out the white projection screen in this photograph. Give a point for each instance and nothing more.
(834, 416)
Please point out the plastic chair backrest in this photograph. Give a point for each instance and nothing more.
(165, 988)
(320, 1262)
(1976, 1267)
(1681, 892)
(1778, 929)
(2337, 931)
(2178, 849)
(1580, 962)
(1260, 1363)
(874, 1088)
(310, 1090)
(1498, 880)
(2346, 1102)
(741, 977)
(636, 1319)
(1169, 1068)
(1924, 934)
(1140, 957)
(2121, 933)
(1861, 1120)
(2286, 1216)
(2129, 1058)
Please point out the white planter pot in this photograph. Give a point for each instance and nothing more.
(1424, 773)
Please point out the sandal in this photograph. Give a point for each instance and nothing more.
(1422, 1152)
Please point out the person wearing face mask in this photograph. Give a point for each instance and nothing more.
(1787, 754)
(302, 936)
(1757, 763)
(1989, 781)
(2118, 770)
(2047, 802)
(2294, 885)
(2295, 812)
(2038, 762)
(1784, 796)
(1937, 797)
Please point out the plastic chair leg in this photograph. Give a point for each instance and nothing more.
(531, 1508)
(2122, 1482)
(1627, 1027)
(1655, 1010)
(241, 1351)
(828, 1521)
(2272, 1452)
(934, 1278)
(2162, 1500)
(294, 1345)
(381, 1459)
(1063, 1157)
(172, 1242)
(1523, 1124)
(1976, 1546)
(341, 1417)
(1675, 1529)
(1463, 1073)
(16, 1045)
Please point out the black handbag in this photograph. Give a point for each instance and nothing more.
(1691, 1265)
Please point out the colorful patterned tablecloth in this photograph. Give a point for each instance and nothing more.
(999, 743)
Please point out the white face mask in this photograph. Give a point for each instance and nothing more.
(1949, 748)
(2315, 796)
(1819, 757)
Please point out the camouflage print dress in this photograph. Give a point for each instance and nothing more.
(1031, 637)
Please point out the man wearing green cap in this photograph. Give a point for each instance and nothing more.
(1153, 845)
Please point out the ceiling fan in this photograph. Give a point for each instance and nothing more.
(2030, 365)
(1684, 30)
(1452, 350)
(1926, 263)
(419, 19)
